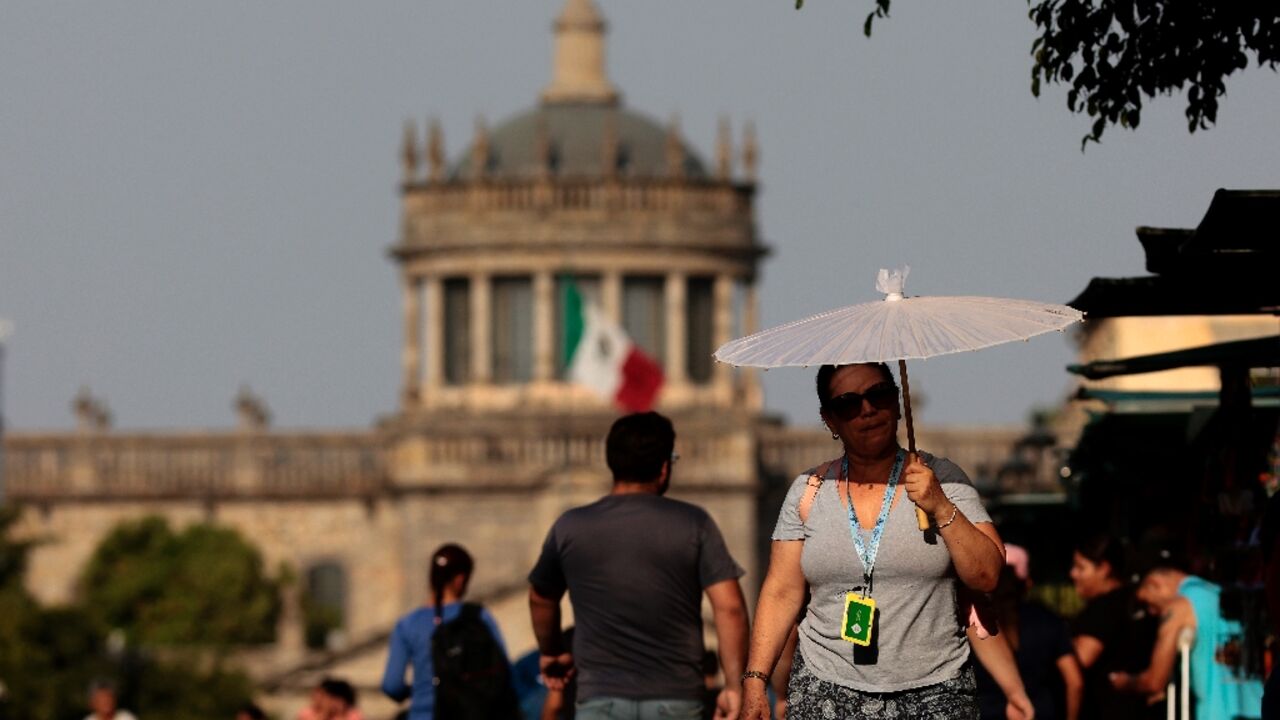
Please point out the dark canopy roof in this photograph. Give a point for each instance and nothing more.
(1260, 352)
(1160, 295)
(1226, 266)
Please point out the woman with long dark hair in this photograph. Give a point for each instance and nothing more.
(1113, 633)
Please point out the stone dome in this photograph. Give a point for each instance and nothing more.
(576, 136)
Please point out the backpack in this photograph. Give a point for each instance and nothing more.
(472, 676)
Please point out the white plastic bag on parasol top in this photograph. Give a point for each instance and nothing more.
(898, 328)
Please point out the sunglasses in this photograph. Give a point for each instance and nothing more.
(849, 405)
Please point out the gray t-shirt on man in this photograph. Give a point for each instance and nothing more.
(635, 567)
(919, 637)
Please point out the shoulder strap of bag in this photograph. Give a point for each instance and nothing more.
(811, 490)
(471, 611)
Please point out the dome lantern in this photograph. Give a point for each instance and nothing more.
(578, 72)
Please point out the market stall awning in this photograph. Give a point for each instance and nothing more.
(1164, 295)
(1256, 353)
(1225, 266)
(1165, 401)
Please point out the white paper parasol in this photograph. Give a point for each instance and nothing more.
(898, 328)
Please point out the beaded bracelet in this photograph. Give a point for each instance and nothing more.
(955, 509)
(755, 674)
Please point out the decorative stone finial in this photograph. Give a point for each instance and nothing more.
(675, 149)
(409, 152)
(91, 413)
(750, 153)
(578, 73)
(480, 150)
(724, 151)
(251, 411)
(435, 151)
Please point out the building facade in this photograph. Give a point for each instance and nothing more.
(490, 442)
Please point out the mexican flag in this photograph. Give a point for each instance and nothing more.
(603, 358)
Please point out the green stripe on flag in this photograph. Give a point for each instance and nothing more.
(572, 319)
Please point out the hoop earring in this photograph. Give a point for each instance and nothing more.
(834, 435)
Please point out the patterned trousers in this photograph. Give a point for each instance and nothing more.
(810, 698)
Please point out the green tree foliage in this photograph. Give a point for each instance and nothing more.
(1115, 54)
(178, 692)
(49, 656)
(204, 586)
(13, 553)
(46, 656)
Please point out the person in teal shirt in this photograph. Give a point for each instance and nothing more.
(1221, 690)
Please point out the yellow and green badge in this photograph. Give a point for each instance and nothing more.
(859, 615)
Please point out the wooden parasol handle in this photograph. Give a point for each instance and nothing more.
(922, 520)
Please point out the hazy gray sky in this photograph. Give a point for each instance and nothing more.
(199, 195)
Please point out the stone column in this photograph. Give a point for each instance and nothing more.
(481, 363)
(411, 355)
(611, 295)
(677, 284)
(544, 354)
(721, 327)
(433, 370)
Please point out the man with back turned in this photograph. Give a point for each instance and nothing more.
(635, 565)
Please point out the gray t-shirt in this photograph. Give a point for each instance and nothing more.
(919, 636)
(635, 567)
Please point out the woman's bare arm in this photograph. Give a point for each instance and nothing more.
(1088, 648)
(781, 597)
(1072, 684)
(976, 550)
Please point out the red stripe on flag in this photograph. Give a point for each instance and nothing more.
(641, 381)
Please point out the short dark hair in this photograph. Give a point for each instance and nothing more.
(638, 445)
(340, 689)
(1101, 547)
(101, 684)
(826, 372)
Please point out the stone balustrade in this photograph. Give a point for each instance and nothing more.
(788, 451)
(635, 195)
(471, 462)
(107, 466)
(991, 456)
(104, 466)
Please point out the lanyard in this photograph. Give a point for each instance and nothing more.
(867, 554)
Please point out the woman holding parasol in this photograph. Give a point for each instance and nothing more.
(882, 635)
